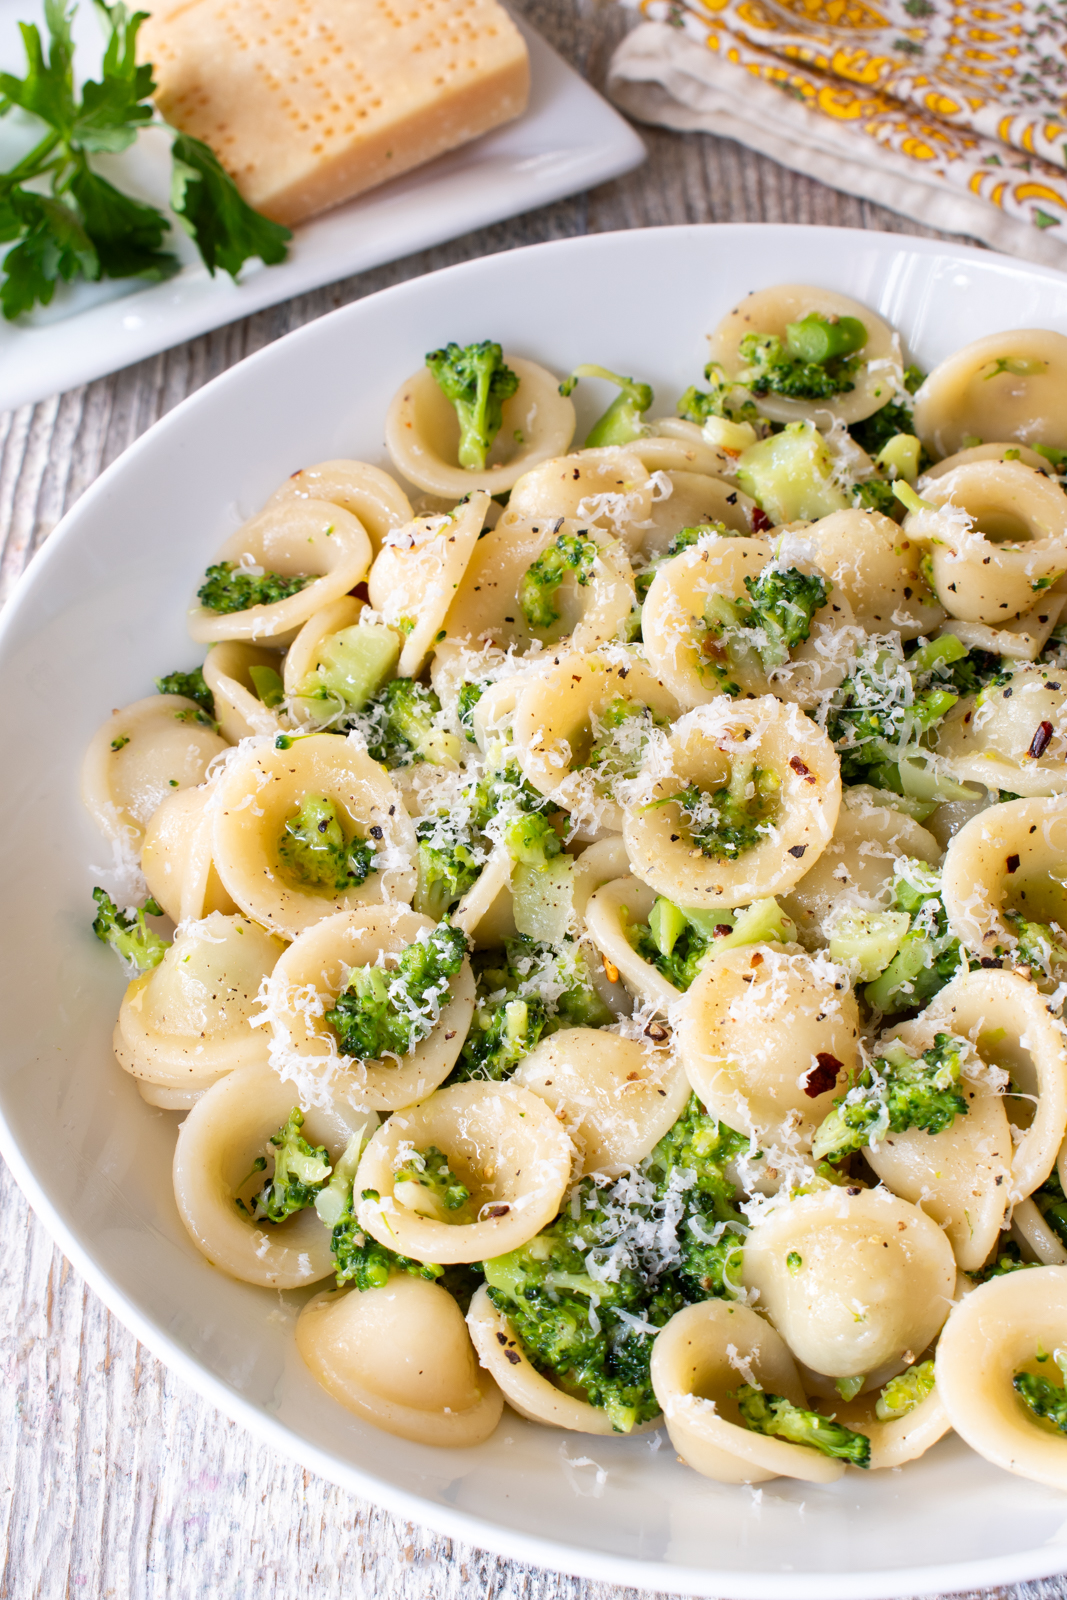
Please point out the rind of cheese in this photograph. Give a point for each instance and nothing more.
(309, 102)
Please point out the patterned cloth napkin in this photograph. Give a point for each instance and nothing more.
(953, 112)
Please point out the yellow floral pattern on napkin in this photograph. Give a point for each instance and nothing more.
(973, 90)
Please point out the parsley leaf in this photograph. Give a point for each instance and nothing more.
(207, 203)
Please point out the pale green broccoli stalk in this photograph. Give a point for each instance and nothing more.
(818, 358)
(445, 873)
(268, 684)
(477, 382)
(1039, 944)
(725, 823)
(678, 943)
(1044, 1400)
(300, 1171)
(621, 422)
(904, 1392)
(773, 1415)
(928, 956)
(388, 1011)
(191, 685)
(403, 726)
(439, 1192)
(896, 1092)
(135, 944)
(228, 587)
(313, 848)
(541, 581)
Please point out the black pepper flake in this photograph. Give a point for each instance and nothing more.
(1013, 863)
(376, 832)
(797, 850)
(823, 1076)
(990, 961)
(1008, 694)
(731, 499)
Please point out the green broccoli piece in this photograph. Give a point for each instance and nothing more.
(388, 1011)
(782, 606)
(532, 841)
(621, 422)
(403, 726)
(1009, 1258)
(690, 1162)
(670, 943)
(269, 686)
(725, 823)
(904, 1392)
(360, 1259)
(440, 1191)
(1052, 1204)
(300, 1171)
(817, 360)
(541, 581)
(313, 848)
(228, 587)
(192, 686)
(875, 432)
(499, 1038)
(876, 494)
(1045, 1400)
(468, 698)
(135, 944)
(477, 382)
(621, 733)
(896, 1092)
(722, 398)
(1039, 943)
(513, 1013)
(929, 956)
(878, 714)
(773, 1415)
(444, 873)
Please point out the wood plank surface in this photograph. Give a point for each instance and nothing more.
(116, 1480)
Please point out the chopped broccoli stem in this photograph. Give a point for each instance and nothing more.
(435, 1191)
(228, 587)
(532, 841)
(773, 1415)
(268, 686)
(476, 380)
(388, 1011)
(896, 1092)
(817, 360)
(541, 582)
(136, 945)
(404, 726)
(1044, 1400)
(621, 422)
(191, 685)
(300, 1171)
(314, 851)
(929, 955)
(904, 1392)
(725, 823)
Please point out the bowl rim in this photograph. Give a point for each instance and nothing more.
(888, 1584)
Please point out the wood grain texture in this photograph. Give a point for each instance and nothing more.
(116, 1480)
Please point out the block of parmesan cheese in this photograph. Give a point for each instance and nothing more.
(309, 102)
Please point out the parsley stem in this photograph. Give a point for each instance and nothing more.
(29, 166)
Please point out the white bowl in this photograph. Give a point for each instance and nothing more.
(100, 613)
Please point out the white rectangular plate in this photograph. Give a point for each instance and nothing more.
(566, 141)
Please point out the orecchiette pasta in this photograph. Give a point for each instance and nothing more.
(310, 539)
(214, 1166)
(725, 748)
(142, 755)
(422, 434)
(1007, 1326)
(856, 1280)
(617, 932)
(264, 789)
(401, 1358)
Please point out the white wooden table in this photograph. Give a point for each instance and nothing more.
(116, 1480)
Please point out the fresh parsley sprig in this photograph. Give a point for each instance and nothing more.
(72, 222)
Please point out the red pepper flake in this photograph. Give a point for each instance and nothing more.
(498, 1211)
(1041, 740)
(800, 769)
(823, 1076)
(723, 929)
(760, 520)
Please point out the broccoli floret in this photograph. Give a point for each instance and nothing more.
(929, 956)
(466, 701)
(1052, 1204)
(440, 1192)
(1043, 1399)
(621, 422)
(773, 1415)
(360, 1259)
(402, 726)
(876, 494)
(878, 715)
(874, 432)
(532, 840)
(313, 848)
(782, 606)
(444, 874)
(541, 581)
(689, 1162)
(135, 944)
(621, 732)
(526, 991)
(228, 587)
(388, 1011)
(192, 686)
(725, 823)
(1009, 1258)
(669, 943)
(499, 1038)
(896, 1092)
(300, 1171)
(474, 378)
(817, 359)
(904, 1392)
(723, 398)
